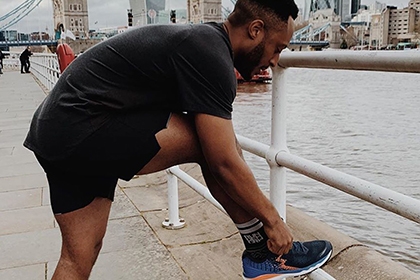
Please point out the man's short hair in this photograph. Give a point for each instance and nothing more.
(272, 12)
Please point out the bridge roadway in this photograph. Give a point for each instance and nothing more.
(7, 44)
(136, 246)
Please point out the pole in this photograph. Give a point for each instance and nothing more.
(173, 222)
(278, 142)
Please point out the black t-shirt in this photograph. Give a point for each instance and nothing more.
(176, 68)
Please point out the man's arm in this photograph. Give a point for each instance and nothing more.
(218, 143)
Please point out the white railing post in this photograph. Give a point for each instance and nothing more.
(278, 142)
(173, 222)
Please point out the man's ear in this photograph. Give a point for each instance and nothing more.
(255, 29)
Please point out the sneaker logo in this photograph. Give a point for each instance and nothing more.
(253, 238)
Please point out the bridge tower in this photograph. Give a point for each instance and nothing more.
(71, 15)
(335, 36)
(204, 11)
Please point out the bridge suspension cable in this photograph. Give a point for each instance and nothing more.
(225, 11)
(18, 13)
(307, 32)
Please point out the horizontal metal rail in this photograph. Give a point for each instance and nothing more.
(389, 61)
(390, 200)
(252, 146)
(395, 202)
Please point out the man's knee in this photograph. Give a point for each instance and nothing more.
(78, 255)
(179, 144)
(83, 230)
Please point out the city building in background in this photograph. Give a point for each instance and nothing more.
(9, 35)
(395, 27)
(366, 12)
(14, 35)
(138, 8)
(39, 36)
(343, 8)
(146, 11)
(160, 11)
(178, 16)
(323, 17)
(106, 32)
(378, 26)
(355, 6)
(312, 6)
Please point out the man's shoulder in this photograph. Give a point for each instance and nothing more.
(208, 37)
(209, 29)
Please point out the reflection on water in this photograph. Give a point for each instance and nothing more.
(254, 88)
(366, 124)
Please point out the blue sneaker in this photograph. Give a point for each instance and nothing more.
(302, 259)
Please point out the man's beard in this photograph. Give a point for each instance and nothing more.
(246, 63)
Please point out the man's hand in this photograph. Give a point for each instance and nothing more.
(280, 239)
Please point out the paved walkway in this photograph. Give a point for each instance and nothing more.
(136, 246)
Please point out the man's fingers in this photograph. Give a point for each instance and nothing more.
(279, 249)
(280, 240)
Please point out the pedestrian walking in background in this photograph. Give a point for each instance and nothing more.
(24, 60)
(1, 62)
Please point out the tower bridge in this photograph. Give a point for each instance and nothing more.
(73, 17)
(318, 37)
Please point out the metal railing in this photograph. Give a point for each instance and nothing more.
(278, 156)
(46, 69)
(11, 62)
(44, 66)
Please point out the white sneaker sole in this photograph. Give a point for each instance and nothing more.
(284, 276)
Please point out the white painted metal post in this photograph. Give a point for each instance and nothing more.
(173, 222)
(195, 185)
(278, 142)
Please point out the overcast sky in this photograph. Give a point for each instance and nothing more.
(106, 13)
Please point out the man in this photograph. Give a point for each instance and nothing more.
(1, 61)
(25, 64)
(155, 97)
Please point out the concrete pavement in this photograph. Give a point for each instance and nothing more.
(136, 246)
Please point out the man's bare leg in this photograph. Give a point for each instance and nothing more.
(83, 230)
(82, 233)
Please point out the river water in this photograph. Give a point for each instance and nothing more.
(366, 124)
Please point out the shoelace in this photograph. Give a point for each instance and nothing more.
(298, 248)
(282, 265)
(278, 262)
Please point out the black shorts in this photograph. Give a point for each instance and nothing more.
(118, 150)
